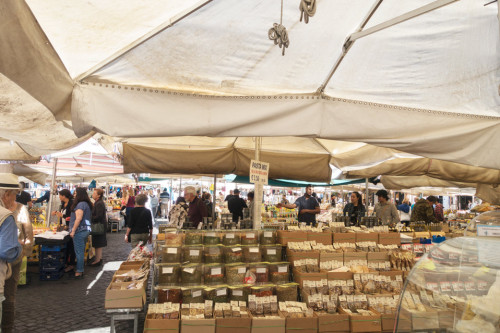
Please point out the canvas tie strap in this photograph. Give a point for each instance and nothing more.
(307, 9)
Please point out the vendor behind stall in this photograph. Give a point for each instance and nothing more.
(308, 206)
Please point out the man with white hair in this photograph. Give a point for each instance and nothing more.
(197, 209)
(10, 248)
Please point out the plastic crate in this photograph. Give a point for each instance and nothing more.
(51, 276)
(51, 266)
(52, 256)
(53, 248)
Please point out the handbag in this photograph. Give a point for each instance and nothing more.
(97, 229)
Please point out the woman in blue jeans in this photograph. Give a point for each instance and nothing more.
(79, 226)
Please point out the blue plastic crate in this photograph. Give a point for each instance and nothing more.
(51, 276)
(53, 256)
(53, 248)
(51, 266)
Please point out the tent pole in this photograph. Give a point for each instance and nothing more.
(180, 185)
(366, 196)
(214, 199)
(342, 195)
(257, 218)
(52, 193)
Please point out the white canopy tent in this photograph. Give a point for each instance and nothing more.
(427, 86)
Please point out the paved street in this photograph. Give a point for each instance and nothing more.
(72, 305)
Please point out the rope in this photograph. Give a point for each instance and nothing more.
(307, 9)
(279, 35)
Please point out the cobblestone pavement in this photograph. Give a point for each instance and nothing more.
(69, 305)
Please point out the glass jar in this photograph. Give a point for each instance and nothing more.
(168, 274)
(235, 274)
(261, 272)
(213, 254)
(171, 254)
(287, 292)
(217, 294)
(173, 239)
(211, 238)
(279, 272)
(239, 293)
(192, 254)
(193, 238)
(233, 254)
(252, 254)
(268, 237)
(250, 237)
(191, 274)
(271, 253)
(231, 238)
(192, 295)
(214, 274)
(172, 294)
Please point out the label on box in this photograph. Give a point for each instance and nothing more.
(418, 248)
(196, 293)
(407, 247)
(428, 247)
(399, 278)
(238, 293)
(271, 251)
(189, 270)
(470, 286)
(433, 286)
(242, 270)
(250, 235)
(254, 250)
(282, 269)
(172, 250)
(236, 249)
(445, 286)
(230, 236)
(194, 253)
(221, 292)
(482, 285)
(211, 234)
(216, 271)
(261, 270)
(457, 286)
(167, 270)
(268, 234)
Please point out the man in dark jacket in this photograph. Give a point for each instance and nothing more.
(236, 205)
(422, 211)
(197, 209)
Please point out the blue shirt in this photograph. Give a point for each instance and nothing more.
(10, 248)
(307, 203)
(87, 216)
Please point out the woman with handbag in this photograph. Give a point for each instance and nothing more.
(98, 226)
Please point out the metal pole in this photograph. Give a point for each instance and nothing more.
(180, 185)
(257, 218)
(53, 193)
(214, 199)
(342, 196)
(366, 196)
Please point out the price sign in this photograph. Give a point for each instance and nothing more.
(259, 172)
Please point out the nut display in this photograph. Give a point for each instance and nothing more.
(271, 253)
(211, 238)
(171, 254)
(287, 292)
(214, 274)
(279, 273)
(250, 238)
(233, 254)
(235, 274)
(193, 238)
(231, 238)
(268, 237)
(252, 254)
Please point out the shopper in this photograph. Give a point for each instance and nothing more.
(308, 207)
(251, 204)
(79, 227)
(140, 226)
(178, 214)
(236, 205)
(164, 200)
(229, 196)
(197, 210)
(155, 201)
(284, 200)
(17, 233)
(385, 210)
(24, 197)
(438, 209)
(99, 216)
(129, 202)
(64, 214)
(404, 211)
(422, 211)
(355, 209)
(207, 200)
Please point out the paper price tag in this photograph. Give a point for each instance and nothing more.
(242, 270)
(194, 253)
(261, 270)
(197, 293)
(268, 234)
(230, 236)
(237, 292)
(250, 235)
(236, 249)
(221, 292)
(172, 250)
(216, 271)
(271, 251)
(189, 270)
(254, 250)
(282, 269)
(211, 234)
(167, 270)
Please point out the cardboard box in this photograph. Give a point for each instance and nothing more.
(348, 237)
(293, 255)
(421, 234)
(161, 325)
(299, 277)
(359, 323)
(338, 323)
(128, 265)
(123, 299)
(233, 325)
(350, 256)
(304, 325)
(421, 320)
(389, 238)
(325, 256)
(447, 319)
(388, 322)
(291, 236)
(377, 256)
(320, 237)
(367, 237)
(392, 274)
(340, 275)
(403, 322)
(265, 325)
(198, 326)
